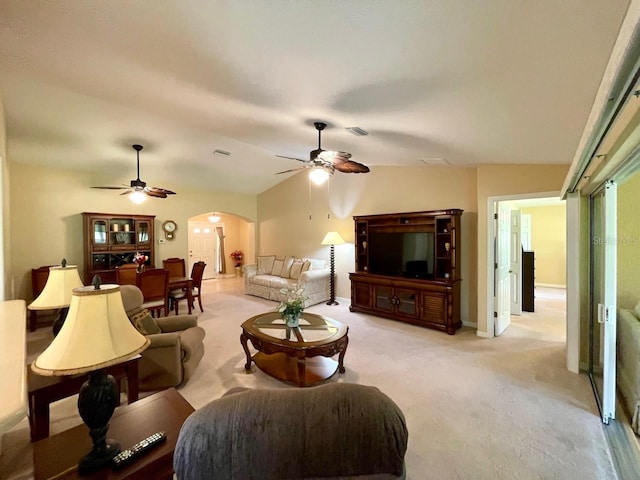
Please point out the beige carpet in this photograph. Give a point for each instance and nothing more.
(476, 408)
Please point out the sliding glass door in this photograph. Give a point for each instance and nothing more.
(602, 328)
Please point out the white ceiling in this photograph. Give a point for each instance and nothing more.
(468, 81)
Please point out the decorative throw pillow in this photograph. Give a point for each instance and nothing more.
(636, 310)
(306, 266)
(277, 267)
(144, 322)
(286, 268)
(296, 269)
(265, 264)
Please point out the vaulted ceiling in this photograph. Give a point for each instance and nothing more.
(466, 81)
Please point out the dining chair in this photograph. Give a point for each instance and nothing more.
(175, 266)
(154, 284)
(126, 274)
(197, 272)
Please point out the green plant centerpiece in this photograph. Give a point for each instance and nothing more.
(292, 305)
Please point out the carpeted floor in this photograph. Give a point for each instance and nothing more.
(504, 408)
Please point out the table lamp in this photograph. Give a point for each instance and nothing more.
(57, 292)
(96, 334)
(332, 238)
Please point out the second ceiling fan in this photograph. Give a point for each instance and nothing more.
(327, 160)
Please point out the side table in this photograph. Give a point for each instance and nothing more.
(45, 390)
(57, 456)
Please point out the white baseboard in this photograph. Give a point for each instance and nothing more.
(483, 334)
(469, 324)
(551, 285)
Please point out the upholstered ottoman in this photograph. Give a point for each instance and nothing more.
(336, 430)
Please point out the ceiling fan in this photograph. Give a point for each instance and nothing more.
(137, 189)
(326, 162)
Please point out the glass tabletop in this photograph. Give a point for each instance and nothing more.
(313, 328)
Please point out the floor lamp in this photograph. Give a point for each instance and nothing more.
(332, 238)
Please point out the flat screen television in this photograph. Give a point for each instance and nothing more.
(410, 254)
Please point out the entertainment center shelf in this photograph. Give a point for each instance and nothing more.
(408, 267)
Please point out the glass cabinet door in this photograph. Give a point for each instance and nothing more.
(406, 301)
(143, 233)
(384, 298)
(100, 229)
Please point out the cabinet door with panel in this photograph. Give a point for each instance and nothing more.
(361, 294)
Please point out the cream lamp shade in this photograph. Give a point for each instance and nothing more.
(332, 238)
(96, 334)
(58, 290)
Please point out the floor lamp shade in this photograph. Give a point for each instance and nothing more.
(58, 290)
(332, 238)
(97, 333)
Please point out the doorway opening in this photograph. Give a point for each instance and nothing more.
(212, 242)
(526, 249)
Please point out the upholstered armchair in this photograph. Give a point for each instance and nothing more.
(176, 343)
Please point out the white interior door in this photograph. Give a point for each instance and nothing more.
(515, 270)
(502, 303)
(203, 243)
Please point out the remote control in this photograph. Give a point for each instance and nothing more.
(129, 454)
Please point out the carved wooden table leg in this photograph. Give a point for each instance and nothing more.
(343, 350)
(243, 340)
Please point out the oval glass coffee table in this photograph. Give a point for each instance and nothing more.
(300, 355)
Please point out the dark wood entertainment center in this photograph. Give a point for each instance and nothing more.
(408, 267)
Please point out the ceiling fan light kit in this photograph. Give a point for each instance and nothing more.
(137, 190)
(324, 162)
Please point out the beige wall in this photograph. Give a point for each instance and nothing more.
(499, 180)
(46, 220)
(285, 227)
(628, 243)
(549, 242)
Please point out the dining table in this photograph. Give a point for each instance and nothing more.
(177, 283)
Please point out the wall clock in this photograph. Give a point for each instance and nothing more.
(169, 228)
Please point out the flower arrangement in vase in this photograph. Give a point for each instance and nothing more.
(292, 305)
(139, 259)
(237, 256)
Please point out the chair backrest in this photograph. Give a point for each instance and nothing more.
(154, 284)
(197, 271)
(126, 274)
(175, 266)
(39, 278)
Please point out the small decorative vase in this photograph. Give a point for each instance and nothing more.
(292, 320)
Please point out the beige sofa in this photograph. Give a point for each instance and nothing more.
(628, 362)
(271, 274)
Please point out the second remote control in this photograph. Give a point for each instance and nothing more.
(129, 454)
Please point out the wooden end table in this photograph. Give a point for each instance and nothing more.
(58, 456)
(299, 355)
(45, 390)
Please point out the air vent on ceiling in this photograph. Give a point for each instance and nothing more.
(358, 131)
(435, 161)
(222, 153)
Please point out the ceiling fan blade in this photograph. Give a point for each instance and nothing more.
(293, 158)
(112, 188)
(292, 170)
(163, 191)
(127, 193)
(350, 166)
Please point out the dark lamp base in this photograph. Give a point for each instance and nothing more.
(332, 302)
(97, 459)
